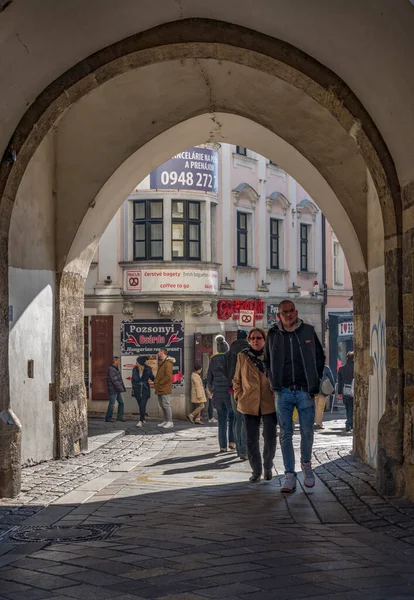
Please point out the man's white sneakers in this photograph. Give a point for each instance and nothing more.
(308, 476)
(162, 424)
(168, 425)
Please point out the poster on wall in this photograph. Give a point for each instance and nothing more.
(145, 337)
(193, 169)
(272, 310)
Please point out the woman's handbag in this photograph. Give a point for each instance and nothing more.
(327, 388)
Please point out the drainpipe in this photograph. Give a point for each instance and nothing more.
(324, 285)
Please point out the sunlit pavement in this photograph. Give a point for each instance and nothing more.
(161, 514)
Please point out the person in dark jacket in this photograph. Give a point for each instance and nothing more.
(141, 376)
(346, 389)
(218, 385)
(239, 427)
(294, 359)
(115, 389)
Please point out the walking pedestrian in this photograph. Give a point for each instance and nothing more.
(217, 383)
(115, 388)
(239, 427)
(346, 389)
(294, 359)
(198, 396)
(141, 376)
(163, 386)
(255, 402)
(326, 389)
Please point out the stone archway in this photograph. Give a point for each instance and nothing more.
(214, 65)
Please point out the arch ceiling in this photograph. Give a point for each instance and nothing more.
(368, 44)
(191, 132)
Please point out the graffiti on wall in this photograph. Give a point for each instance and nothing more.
(377, 386)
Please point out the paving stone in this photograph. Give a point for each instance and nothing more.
(90, 592)
(35, 578)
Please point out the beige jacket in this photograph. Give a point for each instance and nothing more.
(251, 388)
(198, 395)
(162, 381)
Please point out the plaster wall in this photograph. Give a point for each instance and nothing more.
(32, 338)
(32, 297)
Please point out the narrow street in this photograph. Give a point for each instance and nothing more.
(151, 514)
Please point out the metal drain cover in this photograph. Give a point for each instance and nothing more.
(62, 533)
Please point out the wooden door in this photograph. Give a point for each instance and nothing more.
(102, 352)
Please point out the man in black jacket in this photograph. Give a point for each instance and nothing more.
(239, 428)
(115, 388)
(346, 389)
(295, 359)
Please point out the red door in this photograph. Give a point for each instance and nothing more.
(102, 353)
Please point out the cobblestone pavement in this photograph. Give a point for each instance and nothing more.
(156, 514)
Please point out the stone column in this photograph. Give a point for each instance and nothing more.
(70, 392)
(390, 427)
(408, 316)
(362, 360)
(10, 428)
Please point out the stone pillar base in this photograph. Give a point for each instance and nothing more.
(10, 454)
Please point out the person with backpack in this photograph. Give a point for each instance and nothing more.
(346, 389)
(326, 389)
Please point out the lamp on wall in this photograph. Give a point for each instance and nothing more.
(108, 280)
(228, 280)
(294, 211)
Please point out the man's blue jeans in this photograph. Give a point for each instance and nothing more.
(239, 429)
(285, 402)
(225, 417)
(111, 405)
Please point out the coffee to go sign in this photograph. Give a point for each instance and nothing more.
(346, 328)
(230, 309)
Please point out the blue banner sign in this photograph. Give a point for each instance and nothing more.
(193, 169)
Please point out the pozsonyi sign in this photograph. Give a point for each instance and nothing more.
(145, 337)
(193, 169)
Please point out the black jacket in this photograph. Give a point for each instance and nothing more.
(217, 380)
(114, 381)
(311, 351)
(140, 385)
(231, 358)
(345, 376)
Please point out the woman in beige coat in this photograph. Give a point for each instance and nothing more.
(198, 395)
(255, 400)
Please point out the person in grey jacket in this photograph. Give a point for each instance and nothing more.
(239, 427)
(218, 385)
(115, 389)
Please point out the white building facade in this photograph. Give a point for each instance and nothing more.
(213, 232)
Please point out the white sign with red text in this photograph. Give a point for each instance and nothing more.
(171, 280)
(246, 318)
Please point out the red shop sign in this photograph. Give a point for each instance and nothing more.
(230, 309)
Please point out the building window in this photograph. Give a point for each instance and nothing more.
(148, 230)
(185, 230)
(242, 246)
(241, 150)
(304, 247)
(337, 264)
(274, 243)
